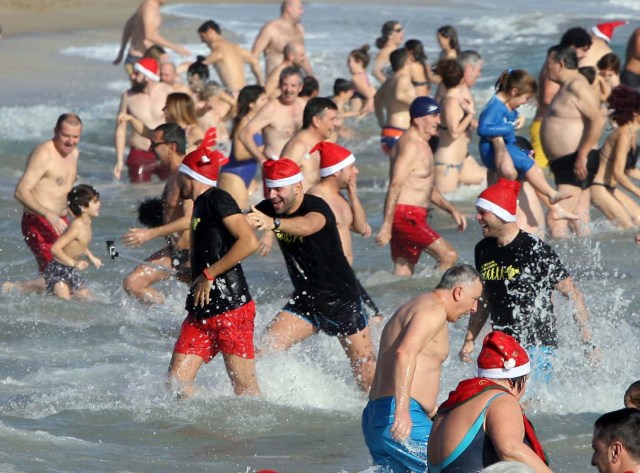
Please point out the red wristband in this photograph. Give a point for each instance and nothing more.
(207, 275)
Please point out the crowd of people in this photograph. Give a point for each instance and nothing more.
(215, 211)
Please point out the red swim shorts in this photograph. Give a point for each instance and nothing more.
(143, 164)
(39, 236)
(230, 333)
(410, 234)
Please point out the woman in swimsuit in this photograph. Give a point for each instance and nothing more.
(454, 165)
(357, 62)
(236, 177)
(618, 156)
(447, 37)
(391, 39)
(420, 70)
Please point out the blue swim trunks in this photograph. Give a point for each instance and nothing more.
(541, 359)
(388, 454)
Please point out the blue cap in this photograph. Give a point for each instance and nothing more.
(423, 106)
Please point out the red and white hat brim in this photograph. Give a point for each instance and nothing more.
(146, 72)
(596, 31)
(504, 373)
(285, 181)
(495, 209)
(324, 172)
(184, 169)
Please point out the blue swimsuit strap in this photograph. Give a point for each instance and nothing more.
(466, 440)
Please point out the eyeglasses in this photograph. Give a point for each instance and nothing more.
(153, 146)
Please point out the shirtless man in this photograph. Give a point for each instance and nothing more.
(601, 36)
(579, 39)
(142, 29)
(279, 120)
(49, 175)
(145, 101)
(169, 75)
(569, 134)
(338, 172)
(228, 58)
(169, 143)
(319, 122)
(294, 56)
(276, 34)
(411, 190)
(415, 342)
(394, 96)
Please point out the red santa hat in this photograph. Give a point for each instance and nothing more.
(605, 30)
(333, 157)
(202, 165)
(501, 199)
(149, 67)
(502, 357)
(281, 172)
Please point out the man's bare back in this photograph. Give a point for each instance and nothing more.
(394, 96)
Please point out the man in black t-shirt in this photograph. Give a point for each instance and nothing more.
(327, 294)
(520, 273)
(221, 311)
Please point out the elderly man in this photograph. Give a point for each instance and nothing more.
(414, 344)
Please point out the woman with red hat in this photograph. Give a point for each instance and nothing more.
(482, 422)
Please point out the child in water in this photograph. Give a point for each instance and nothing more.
(61, 274)
(500, 118)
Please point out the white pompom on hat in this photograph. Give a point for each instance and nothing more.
(502, 357)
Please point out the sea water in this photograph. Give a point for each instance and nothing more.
(82, 385)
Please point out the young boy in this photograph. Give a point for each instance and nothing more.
(61, 274)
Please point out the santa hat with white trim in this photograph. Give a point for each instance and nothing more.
(280, 173)
(202, 165)
(501, 199)
(333, 157)
(149, 68)
(605, 30)
(502, 357)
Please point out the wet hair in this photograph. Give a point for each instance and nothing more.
(469, 57)
(290, 71)
(310, 86)
(632, 395)
(451, 72)
(415, 47)
(150, 212)
(609, 62)
(341, 85)
(589, 73)
(199, 68)
(565, 54)
(398, 59)
(621, 426)
(174, 133)
(315, 108)
(181, 108)
(209, 25)
(79, 197)
(70, 119)
(248, 95)
(449, 32)
(460, 274)
(518, 383)
(361, 55)
(155, 52)
(576, 37)
(630, 51)
(623, 102)
(387, 29)
(518, 79)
